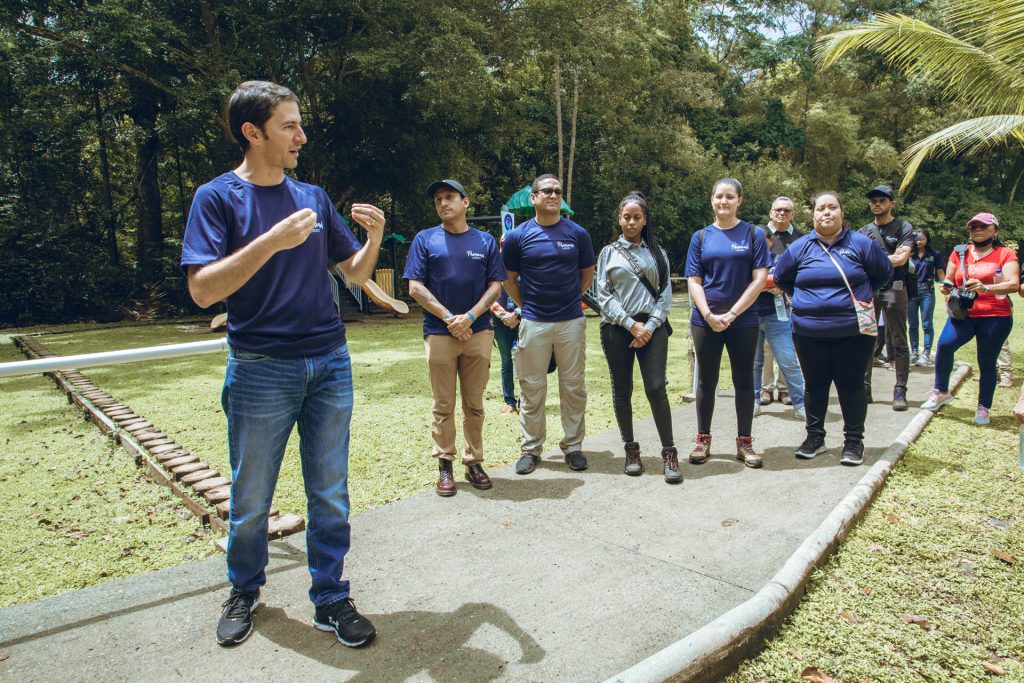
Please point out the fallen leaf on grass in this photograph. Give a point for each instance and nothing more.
(865, 590)
(815, 675)
(729, 522)
(994, 668)
(796, 655)
(850, 616)
(893, 519)
(917, 619)
(1004, 556)
(121, 519)
(876, 547)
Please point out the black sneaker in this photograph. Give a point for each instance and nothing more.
(526, 463)
(853, 453)
(811, 446)
(576, 461)
(351, 627)
(235, 623)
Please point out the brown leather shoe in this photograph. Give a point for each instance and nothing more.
(509, 410)
(766, 397)
(700, 452)
(445, 481)
(476, 476)
(746, 454)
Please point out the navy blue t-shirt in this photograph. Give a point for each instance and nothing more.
(925, 265)
(286, 308)
(822, 306)
(765, 303)
(456, 268)
(549, 261)
(725, 259)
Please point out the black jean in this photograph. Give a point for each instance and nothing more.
(741, 343)
(653, 359)
(827, 361)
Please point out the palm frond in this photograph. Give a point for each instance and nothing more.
(963, 139)
(962, 70)
(996, 25)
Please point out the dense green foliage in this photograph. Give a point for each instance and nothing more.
(113, 115)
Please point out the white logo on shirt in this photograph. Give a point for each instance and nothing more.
(474, 255)
(566, 246)
(843, 251)
(740, 247)
(319, 226)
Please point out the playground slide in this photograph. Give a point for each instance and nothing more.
(378, 297)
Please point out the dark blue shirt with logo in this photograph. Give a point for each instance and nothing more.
(456, 268)
(925, 266)
(724, 260)
(549, 260)
(286, 308)
(822, 306)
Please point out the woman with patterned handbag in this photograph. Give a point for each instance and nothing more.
(635, 296)
(830, 275)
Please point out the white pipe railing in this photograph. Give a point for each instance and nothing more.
(88, 360)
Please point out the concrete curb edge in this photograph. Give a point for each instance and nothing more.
(716, 649)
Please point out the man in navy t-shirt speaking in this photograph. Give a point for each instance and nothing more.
(455, 273)
(264, 242)
(550, 263)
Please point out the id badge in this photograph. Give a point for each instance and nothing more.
(897, 285)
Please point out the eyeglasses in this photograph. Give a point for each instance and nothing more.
(550, 191)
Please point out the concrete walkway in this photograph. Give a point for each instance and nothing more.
(554, 576)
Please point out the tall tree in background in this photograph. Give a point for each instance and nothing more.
(979, 65)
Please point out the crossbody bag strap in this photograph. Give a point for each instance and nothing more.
(840, 269)
(637, 270)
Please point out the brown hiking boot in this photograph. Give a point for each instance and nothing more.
(702, 450)
(634, 466)
(445, 481)
(745, 452)
(670, 456)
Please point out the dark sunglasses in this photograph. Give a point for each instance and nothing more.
(550, 191)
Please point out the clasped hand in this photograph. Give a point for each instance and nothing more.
(641, 335)
(460, 327)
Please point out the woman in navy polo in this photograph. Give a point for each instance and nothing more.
(929, 268)
(726, 268)
(818, 271)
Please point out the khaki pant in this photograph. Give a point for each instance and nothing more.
(1005, 364)
(772, 378)
(470, 361)
(537, 341)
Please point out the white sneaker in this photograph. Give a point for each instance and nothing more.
(936, 401)
(757, 408)
(922, 361)
(800, 413)
(981, 417)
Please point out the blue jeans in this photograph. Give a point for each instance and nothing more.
(925, 303)
(504, 338)
(264, 398)
(779, 334)
(991, 333)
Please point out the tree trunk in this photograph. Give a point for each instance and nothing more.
(558, 117)
(572, 133)
(149, 236)
(109, 221)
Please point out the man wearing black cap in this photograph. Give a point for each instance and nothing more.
(896, 237)
(455, 273)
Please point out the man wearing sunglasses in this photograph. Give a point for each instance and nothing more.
(550, 263)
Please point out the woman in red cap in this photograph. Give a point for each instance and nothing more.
(990, 273)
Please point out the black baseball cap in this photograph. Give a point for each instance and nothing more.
(883, 190)
(447, 182)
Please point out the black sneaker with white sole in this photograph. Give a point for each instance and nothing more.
(351, 627)
(235, 623)
(811, 446)
(853, 453)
